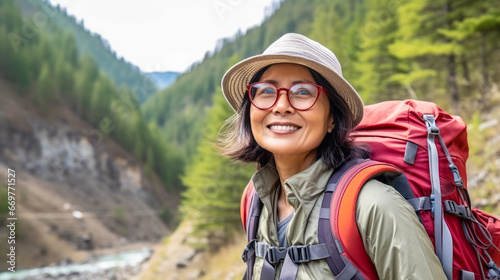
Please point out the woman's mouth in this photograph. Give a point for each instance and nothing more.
(283, 127)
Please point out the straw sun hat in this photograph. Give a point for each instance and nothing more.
(297, 49)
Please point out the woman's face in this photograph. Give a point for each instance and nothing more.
(281, 129)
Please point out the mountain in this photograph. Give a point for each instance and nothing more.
(119, 70)
(163, 80)
(91, 174)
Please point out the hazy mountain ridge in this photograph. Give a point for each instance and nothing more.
(163, 80)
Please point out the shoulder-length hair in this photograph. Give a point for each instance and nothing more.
(237, 142)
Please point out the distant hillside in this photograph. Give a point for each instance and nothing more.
(119, 70)
(44, 61)
(79, 143)
(163, 80)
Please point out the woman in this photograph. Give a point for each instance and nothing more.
(294, 114)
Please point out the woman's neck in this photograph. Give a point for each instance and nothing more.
(288, 166)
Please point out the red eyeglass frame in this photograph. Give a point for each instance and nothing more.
(287, 90)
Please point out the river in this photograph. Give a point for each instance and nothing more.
(102, 267)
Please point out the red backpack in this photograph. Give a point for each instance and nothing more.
(428, 146)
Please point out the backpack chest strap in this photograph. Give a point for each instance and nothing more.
(291, 257)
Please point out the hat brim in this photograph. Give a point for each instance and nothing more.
(238, 77)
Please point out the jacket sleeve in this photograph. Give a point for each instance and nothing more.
(392, 235)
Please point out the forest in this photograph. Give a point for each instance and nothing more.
(443, 51)
(49, 65)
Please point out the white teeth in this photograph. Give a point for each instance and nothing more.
(283, 127)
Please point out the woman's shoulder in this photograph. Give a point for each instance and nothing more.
(376, 196)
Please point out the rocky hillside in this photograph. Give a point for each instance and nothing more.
(77, 191)
(483, 166)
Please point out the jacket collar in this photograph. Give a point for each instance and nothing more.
(302, 188)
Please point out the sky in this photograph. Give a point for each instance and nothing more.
(165, 35)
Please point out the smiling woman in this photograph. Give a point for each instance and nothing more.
(294, 115)
(291, 134)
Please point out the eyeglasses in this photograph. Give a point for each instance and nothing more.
(300, 96)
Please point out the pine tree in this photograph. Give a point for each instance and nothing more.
(375, 64)
(476, 28)
(424, 50)
(44, 89)
(214, 184)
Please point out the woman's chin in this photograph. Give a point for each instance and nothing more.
(285, 150)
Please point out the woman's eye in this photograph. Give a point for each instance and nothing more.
(302, 91)
(267, 91)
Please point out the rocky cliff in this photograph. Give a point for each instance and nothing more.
(76, 190)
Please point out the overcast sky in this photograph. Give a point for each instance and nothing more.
(165, 35)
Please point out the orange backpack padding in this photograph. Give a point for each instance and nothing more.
(339, 216)
(246, 200)
(403, 134)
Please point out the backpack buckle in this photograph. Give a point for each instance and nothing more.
(462, 211)
(249, 251)
(276, 254)
(430, 123)
(299, 254)
(433, 203)
(456, 176)
(493, 270)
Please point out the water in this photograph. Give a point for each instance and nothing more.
(130, 258)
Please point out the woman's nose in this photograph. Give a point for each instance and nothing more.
(283, 105)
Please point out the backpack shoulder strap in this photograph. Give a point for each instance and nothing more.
(246, 202)
(250, 208)
(337, 226)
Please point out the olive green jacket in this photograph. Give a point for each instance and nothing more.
(392, 234)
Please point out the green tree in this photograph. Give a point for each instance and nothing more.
(213, 183)
(476, 28)
(375, 64)
(44, 89)
(424, 50)
(87, 74)
(63, 76)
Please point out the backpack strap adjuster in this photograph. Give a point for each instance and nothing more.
(299, 254)
(456, 176)
(493, 271)
(249, 250)
(462, 211)
(430, 122)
